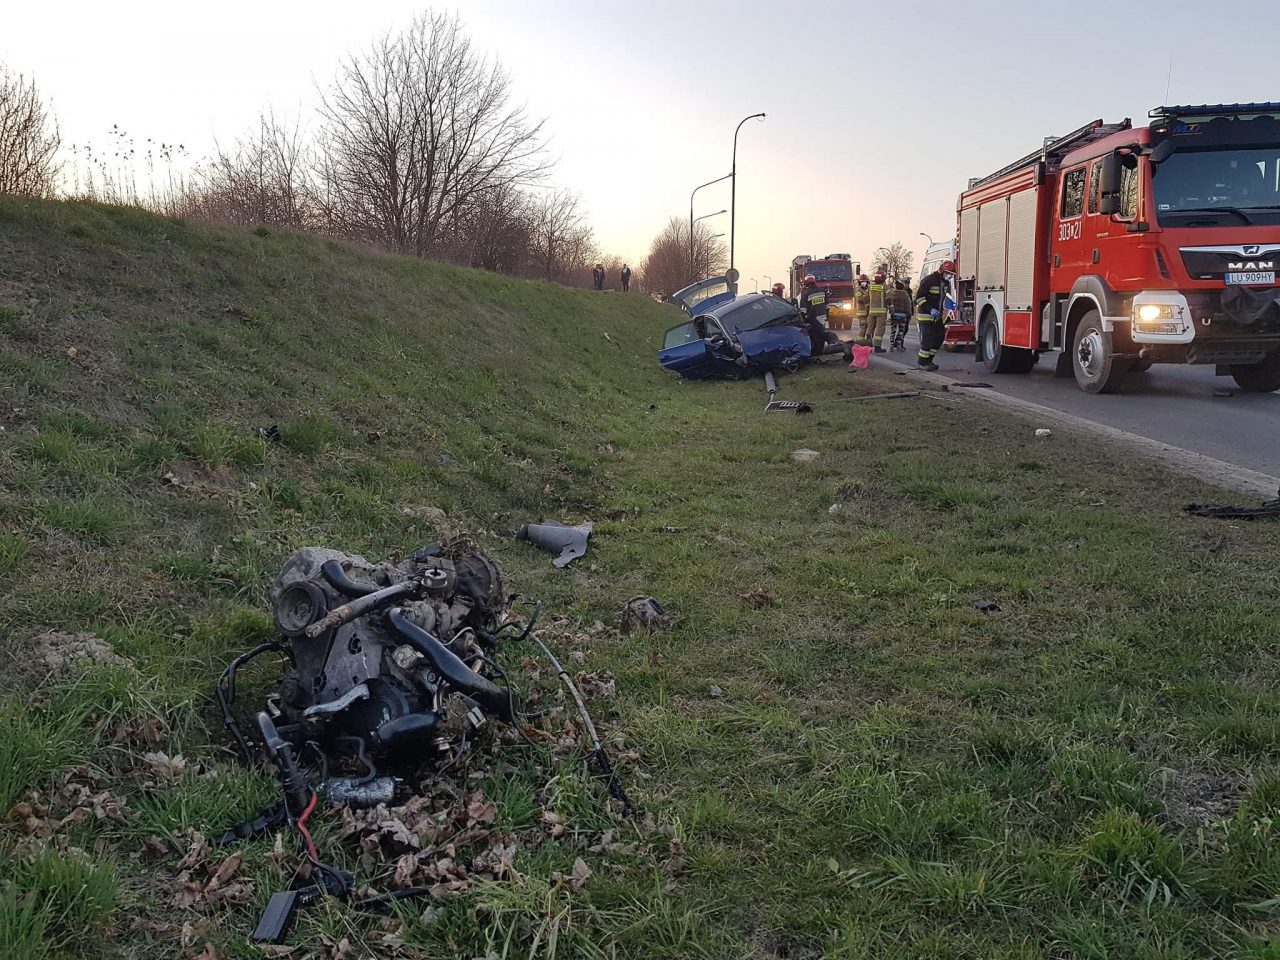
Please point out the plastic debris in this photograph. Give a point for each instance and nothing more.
(986, 606)
(1044, 432)
(569, 543)
(804, 456)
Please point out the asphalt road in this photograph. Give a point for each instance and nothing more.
(1173, 404)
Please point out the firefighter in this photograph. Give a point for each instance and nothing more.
(877, 313)
(778, 291)
(813, 305)
(898, 300)
(862, 303)
(930, 302)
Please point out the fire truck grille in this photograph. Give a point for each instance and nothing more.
(1212, 263)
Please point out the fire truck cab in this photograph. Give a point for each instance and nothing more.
(1120, 247)
(835, 275)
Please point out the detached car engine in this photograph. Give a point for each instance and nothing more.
(386, 660)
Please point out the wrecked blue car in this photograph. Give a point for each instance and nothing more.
(736, 338)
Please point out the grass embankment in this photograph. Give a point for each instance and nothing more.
(884, 771)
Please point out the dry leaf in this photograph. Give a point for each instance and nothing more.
(163, 765)
(228, 869)
(154, 848)
(480, 810)
(577, 879)
(554, 823)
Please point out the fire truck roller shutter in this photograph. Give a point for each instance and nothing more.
(1020, 284)
(968, 266)
(993, 220)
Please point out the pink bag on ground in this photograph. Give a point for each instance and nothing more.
(861, 356)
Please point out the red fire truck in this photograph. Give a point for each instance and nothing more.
(1120, 247)
(834, 273)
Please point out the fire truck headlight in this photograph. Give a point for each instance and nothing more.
(1161, 316)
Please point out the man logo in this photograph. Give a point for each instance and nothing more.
(1252, 265)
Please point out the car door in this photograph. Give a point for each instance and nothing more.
(686, 353)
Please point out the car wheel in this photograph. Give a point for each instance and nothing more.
(1261, 377)
(1096, 370)
(998, 358)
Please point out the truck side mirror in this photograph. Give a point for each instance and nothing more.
(1109, 195)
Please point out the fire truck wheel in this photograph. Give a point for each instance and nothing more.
(1096, 370)
(998, 358)
(1261, 377)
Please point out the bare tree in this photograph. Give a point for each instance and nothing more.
(896, 259)
(495, 231)
(29, 139)
(672, 263)
(414, 130)
(264, 180)
(561, 244)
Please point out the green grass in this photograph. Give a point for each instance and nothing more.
(887, 772)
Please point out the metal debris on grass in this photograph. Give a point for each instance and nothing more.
(1268, 510)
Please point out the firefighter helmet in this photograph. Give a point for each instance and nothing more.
(879, 276)
(948, 266)
(777, 289)
(862, 278)
(810, 279)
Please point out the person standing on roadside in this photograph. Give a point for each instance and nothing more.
(898, 301)
(597, 276)
(626, 278)
(862, 303)
(877, 312)
(930, 302)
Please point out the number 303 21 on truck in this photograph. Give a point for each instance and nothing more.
(1119, 247)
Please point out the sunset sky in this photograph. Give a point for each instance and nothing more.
(875, 120)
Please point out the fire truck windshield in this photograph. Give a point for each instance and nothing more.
(830, 271)
(1223, 181)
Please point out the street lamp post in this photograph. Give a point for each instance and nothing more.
(755, 284)
(691, 196)
(768, 280)
(705, 216)
(733, 172)
(927, 237)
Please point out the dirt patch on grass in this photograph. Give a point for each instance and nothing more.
(1194, 798)
(62, 654)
